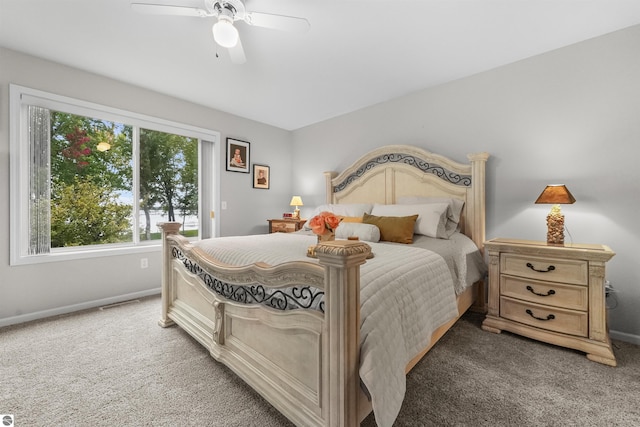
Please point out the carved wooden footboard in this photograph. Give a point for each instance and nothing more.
(304, 362)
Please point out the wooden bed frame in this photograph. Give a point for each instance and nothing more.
(305, 362)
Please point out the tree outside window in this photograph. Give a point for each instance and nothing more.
(89, 186)
(92, 194)
(168, 179)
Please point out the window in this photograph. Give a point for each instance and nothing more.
(88, 179)
(168, 182)
(84, 173)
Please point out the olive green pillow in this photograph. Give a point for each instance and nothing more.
(397, 229)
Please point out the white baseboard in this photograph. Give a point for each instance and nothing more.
(76, 307)
(622, 336)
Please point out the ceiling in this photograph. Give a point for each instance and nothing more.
(357, 52)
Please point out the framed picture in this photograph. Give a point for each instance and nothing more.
(261, 176)
(237, 155)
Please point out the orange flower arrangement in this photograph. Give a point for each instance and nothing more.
(324, 223)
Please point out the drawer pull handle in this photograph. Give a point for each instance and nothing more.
(549, 317)
(551, 292)
(550, 268)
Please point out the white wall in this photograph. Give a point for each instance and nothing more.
(569, 116)
(33, 291)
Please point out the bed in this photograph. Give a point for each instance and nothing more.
(301, 331)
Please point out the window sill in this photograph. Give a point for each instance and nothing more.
(72, 255)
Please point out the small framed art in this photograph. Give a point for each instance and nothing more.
(261, 176)
(237, 155)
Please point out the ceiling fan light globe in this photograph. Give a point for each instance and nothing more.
(225, 34)
(103, 146)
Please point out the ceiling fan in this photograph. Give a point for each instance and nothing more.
(226, 13)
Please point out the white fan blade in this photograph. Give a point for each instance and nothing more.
(236, 54)
(277, 22)
(158, 7)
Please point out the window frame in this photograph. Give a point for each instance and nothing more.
(19, 99)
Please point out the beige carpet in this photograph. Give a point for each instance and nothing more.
(116, 367)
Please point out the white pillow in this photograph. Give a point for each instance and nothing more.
(453, 214)
(366, 232)
(431, 220)
(347, 209)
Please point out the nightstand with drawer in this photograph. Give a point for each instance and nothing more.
(550, 293)
(285, 225)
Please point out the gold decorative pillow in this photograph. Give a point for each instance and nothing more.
(397, 229)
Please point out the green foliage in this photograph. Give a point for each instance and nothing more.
(74, 153)
(84, 213)
(86, 183)
(168, 175)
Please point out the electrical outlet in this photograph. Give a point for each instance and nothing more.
(144, 262)
(608, 288)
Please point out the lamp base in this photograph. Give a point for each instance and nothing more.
(296, 213)
(555, 226)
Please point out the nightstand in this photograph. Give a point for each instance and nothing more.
(285, 225)
(550, 293)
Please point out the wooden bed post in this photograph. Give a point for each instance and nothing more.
(168, 229)
(341, 345)
(478, 162)
(478, 178)
(328, 176)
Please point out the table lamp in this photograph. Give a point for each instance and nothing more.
(296, 201)
(556, 194)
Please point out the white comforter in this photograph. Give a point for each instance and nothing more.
(406, 293)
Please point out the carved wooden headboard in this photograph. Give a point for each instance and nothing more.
(388, 173)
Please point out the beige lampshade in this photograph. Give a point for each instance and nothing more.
(556, 194)
(296, 201)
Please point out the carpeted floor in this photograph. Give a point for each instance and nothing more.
(117, 367)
